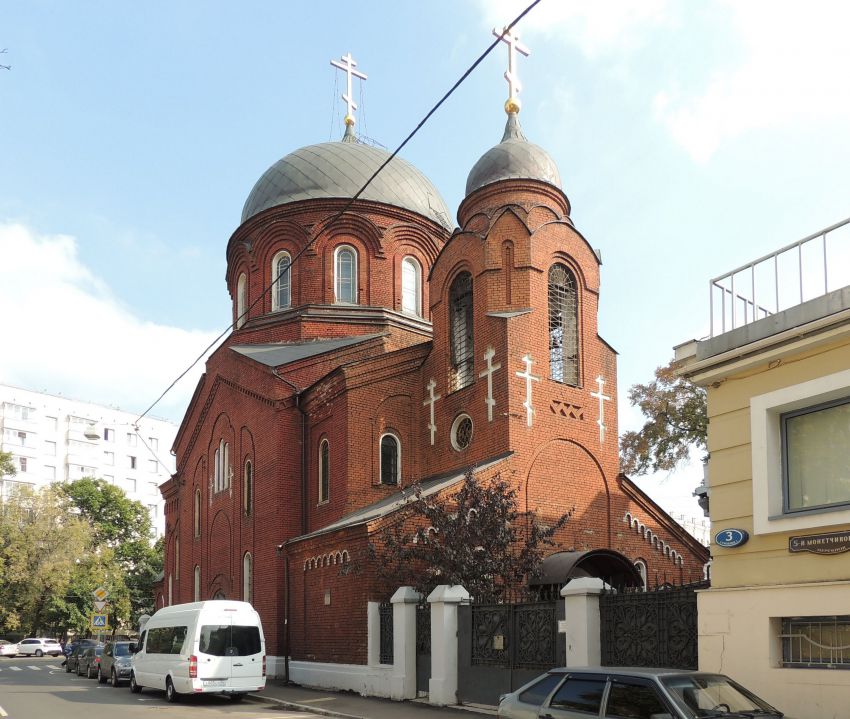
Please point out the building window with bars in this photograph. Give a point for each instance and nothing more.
(281, 281)
(460, 323)
(345, 275)
(324, 470)
(390, 459)
(563, 325)
(816, 642)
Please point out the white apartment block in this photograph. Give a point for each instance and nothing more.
(57, 439)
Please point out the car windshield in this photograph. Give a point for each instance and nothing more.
(712, 695)
(121, 650)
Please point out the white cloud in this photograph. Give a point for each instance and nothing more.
(65, 332)
(596, 28)
(795, 57)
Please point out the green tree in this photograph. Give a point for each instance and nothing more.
(40, 546)
(123, 526)
(676, 420)
(7, 466)
(475, 537)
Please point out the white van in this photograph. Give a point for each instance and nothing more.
(215, 646)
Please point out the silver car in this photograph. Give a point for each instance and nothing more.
(39, 647)
(579, 693)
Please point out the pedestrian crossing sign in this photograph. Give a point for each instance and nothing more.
(99, 621)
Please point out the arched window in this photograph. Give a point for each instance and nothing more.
(390, 459)
(460, 321)
(563, 325)
(281, 281)
(241, 299)
(170, 591)
(345, 274)
(196, 514)
(217, 470)
(640, 565)
(324, 470)
(197, 584)
(411, 287)
(247, 577)
(248, 488)
(225, 466)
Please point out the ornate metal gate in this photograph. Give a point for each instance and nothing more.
(650, 629)
(502, 646)
(423, 648)
(385, 614)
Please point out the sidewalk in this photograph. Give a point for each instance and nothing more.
(349, 705)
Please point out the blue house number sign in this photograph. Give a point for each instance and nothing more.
(731, 538)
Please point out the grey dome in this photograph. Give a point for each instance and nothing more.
(513, 158)
(339, 170)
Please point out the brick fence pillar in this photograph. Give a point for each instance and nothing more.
(581, 618)
(444, 600)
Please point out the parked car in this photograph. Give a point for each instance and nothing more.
(72, 645)
(73, 660)
(569, 693)
(88, 661)
(7, 649)
(115, 663)
(216, 646)
(39, 646)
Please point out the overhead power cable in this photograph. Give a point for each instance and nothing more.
(350, 202)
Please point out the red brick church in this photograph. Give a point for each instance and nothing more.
(382, 346)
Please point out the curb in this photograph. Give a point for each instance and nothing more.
(301, 707)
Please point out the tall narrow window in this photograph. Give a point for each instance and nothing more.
(196, 521)
(460, 320)
(281, 281)
(225, 466)
(241, 299)
(170, 590)
(563, 325)
(177, 557)
(248, 487)
(390, 459)
(197, 583)
(345, 274)
(247, 577)
(411, 287)
(217, 470)
(324, 470)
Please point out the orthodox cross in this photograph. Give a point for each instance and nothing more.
(488, 373)
(347, 66)
(602, 398)
(529, 378)
(510, 38)
(432, 398)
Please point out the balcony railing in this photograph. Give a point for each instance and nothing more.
(805, 269)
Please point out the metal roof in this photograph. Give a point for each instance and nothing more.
(513, 158)
(276, 354)
(339, 170)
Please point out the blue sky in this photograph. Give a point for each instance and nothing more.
(691, 138)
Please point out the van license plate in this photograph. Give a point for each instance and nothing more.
(213, 682)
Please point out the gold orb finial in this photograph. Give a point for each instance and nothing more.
(349, 120)
(512, 105)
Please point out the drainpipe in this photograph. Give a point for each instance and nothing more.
(297, 393)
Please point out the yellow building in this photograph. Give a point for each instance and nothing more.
(777, 616)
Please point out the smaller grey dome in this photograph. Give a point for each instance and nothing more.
(513, 158)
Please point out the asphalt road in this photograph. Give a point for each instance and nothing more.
(32, 688)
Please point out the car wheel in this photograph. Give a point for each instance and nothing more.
(237, 697)
(135, 688)
(114, 678)
(88, 672)
(68, 667)
(39, 653)
(170, 692)
(100, 678)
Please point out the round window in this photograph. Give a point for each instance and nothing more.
(461, 432)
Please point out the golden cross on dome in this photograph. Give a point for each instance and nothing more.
(347, 66)
(511, 39)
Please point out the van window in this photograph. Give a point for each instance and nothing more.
(224, 640)
(166, 640)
